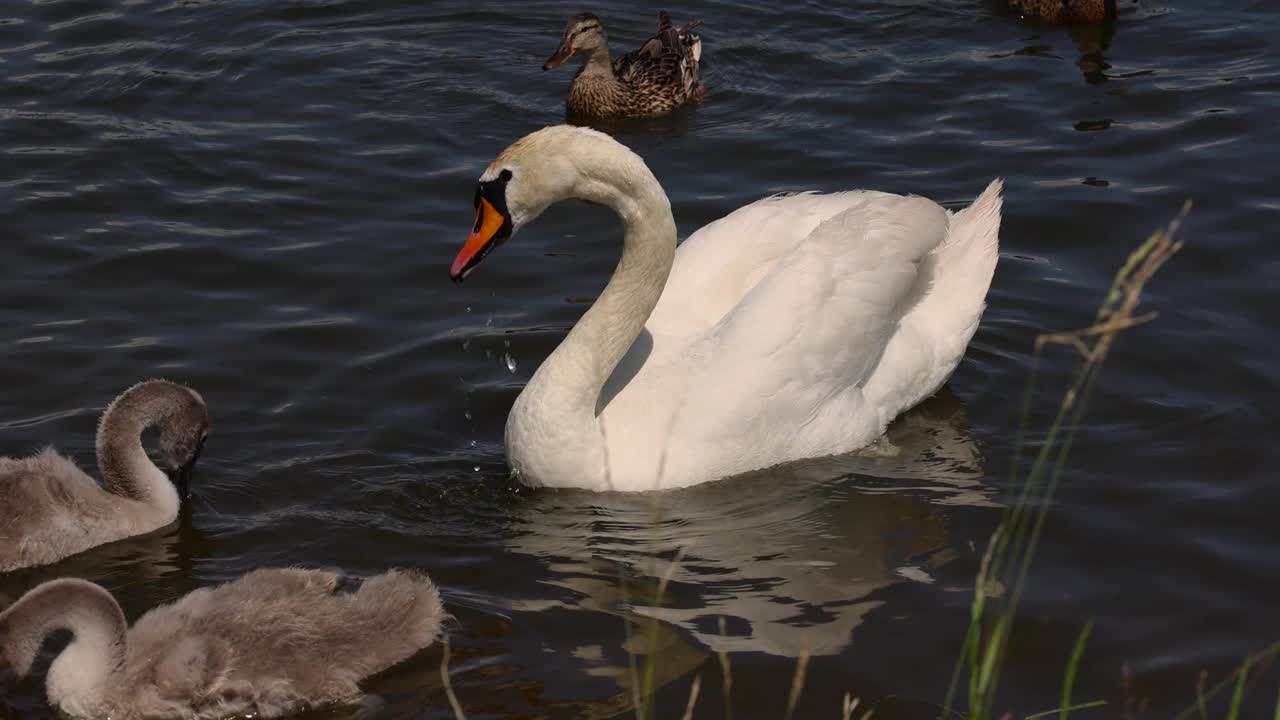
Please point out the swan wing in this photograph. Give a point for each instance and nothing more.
(717, 265)
(781, 372)
(713, 270)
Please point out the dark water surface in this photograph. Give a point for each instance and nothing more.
(262, 199)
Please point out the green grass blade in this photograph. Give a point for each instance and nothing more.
(1080, 706)
(1072, 665)
(1238, 696)
(1013, 546)
(1203, 697)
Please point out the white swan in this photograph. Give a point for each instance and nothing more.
(270, 643)
(794, 327)
(49, 508)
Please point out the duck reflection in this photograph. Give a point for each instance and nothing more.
(1091, 39)
(790, 557)
(1091, 42)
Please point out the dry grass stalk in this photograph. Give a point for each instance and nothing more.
(797, 682)
(448, 687)
(693, 697)
(727, 673)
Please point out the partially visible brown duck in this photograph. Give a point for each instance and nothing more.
(1065, 12)
(662, 75)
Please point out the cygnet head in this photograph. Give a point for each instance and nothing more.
(538, 170)
(584, 33)
(177, 410)
(182, 438)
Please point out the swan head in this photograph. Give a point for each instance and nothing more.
(542, 168)
(583, 33)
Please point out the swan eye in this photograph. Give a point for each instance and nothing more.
(505, 176)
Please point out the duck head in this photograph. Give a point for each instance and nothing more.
(583, 34)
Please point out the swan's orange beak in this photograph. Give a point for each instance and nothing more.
(490, 229)
(556, 60)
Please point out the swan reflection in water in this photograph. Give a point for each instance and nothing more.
(790, 557)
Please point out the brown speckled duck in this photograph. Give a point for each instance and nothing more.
(1065, 12)
(662, 75)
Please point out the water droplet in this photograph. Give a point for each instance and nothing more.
(468, 308)
(506, 343)
(511, 363)
(467, 414)
(473, 443)
(477, 468)
(466, 344)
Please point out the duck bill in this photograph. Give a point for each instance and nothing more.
(490, 230)
(556, 60)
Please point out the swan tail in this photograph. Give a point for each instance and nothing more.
(958, 274)
(396, 614)
(965, 261)
(976, 228)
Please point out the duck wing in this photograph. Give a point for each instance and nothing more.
(669, 58)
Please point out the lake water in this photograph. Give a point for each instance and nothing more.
(262, 199)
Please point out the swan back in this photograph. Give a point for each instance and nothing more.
(275, 641)
(272, 642)
(798, 327)
(49, 509)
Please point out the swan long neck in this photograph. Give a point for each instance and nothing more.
(126, 469)
(81, 678)
(582, 363)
